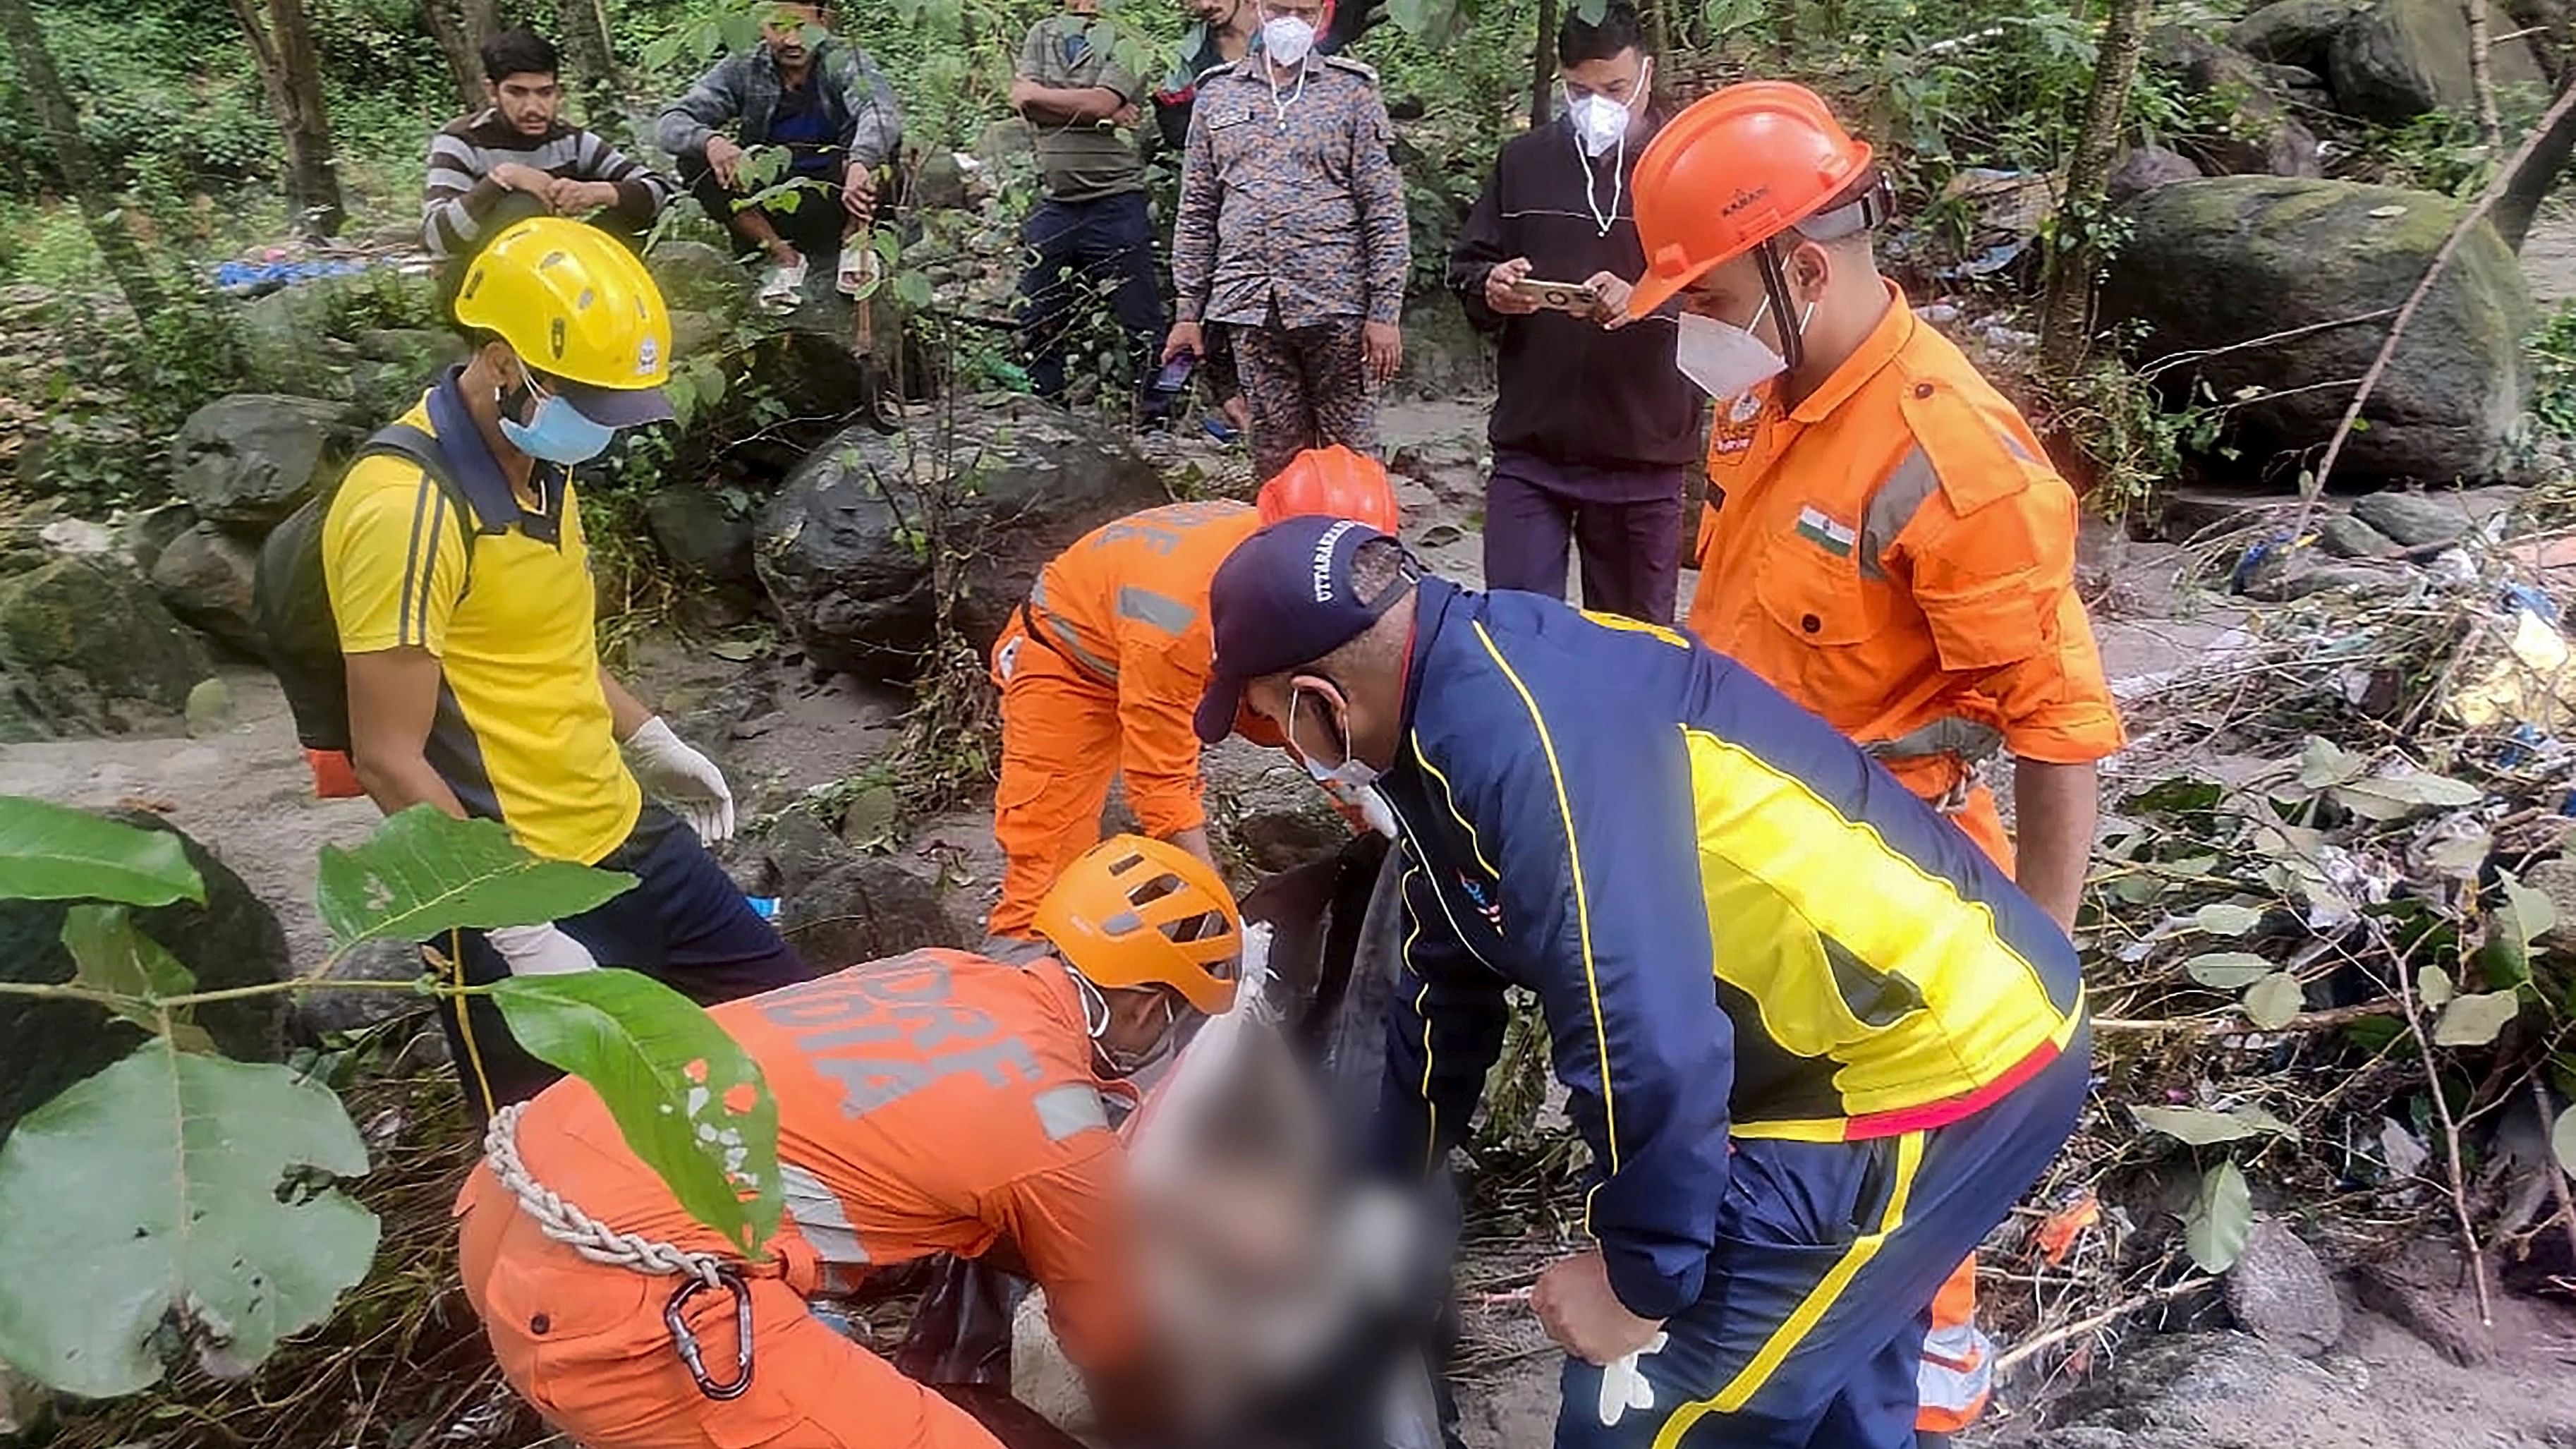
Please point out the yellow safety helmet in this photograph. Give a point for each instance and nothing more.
(1138, 912)
(576, 305)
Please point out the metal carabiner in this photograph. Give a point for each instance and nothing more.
(685, 1343)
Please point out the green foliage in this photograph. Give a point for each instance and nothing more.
(110, 956)
(690, 1102)
(52, 853)
(2552, 350)
(118, 389)
(181, 1201)
(424, 872)
(156, 1192)
(2221, 1217)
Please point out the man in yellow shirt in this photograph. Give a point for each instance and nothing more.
(464, 607)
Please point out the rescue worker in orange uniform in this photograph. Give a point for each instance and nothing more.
(936, 1102)
(1884, 541)
(1100, 669)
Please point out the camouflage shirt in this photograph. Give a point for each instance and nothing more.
(1290, 199)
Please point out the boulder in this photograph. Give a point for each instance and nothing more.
(865, 909)
(85, 648)
(697, 530)
(1267, 809)
(247, 461)
(204, 576)
(2345, 536)
(1444, 355)
(2146, 168)
(2400, 59)
(841, 548)
(301, 339)
(699, 277)
(150, 531)
(2293, 32)
(231, 940)
(2412, 519)
(2217, 262)
(2259, 136)
(2280, 1293)
(938, 184)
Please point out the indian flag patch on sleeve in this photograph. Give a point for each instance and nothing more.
(1819, 529)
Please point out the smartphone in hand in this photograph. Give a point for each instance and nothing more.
(1578, 298)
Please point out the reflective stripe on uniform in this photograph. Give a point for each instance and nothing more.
(819, 1214)
(1162, 611)
(1954, 1378)
(1973, 741)
(1065, 641)
(1066, 1110)
(1899, 497)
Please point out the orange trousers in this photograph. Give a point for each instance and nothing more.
(1061, 741)
(1954, 1381)
(585, 1343)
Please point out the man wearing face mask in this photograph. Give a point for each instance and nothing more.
(1885, 541)
(464, 607)
(1592, 429)
(1817, 1042)
(937, 1102)
(1291, 235)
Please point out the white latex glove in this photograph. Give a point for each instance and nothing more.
(1624, 1388)
(540, 950)
(681, 778)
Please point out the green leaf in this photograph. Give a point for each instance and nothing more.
(2225, 919)
(2272, 1001)
(2227, 970)
(50, 853)
(2221, 1216)
(2194, 1125)
(173, 1187)
(2433, 984)
(2394, 797)
(2533, 913)
(424, 872)
(2562, 1141)
(912, 289)
(110, 955)
(690, 1101)
(2476, 1019)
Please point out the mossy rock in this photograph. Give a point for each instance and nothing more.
(2216, 263)
(2401, 59)
(92, 651)
(2293, 32)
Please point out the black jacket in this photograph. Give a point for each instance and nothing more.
(1571, 391)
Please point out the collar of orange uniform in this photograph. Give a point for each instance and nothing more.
(1879, 348)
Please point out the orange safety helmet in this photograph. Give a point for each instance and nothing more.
(1735, 169)
(1137, 912)
(1335, 483)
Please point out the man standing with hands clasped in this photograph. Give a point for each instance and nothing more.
(1592, 429)
(1292, 235)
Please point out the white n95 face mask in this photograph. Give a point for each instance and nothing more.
(1725, 360)
(1287, 38)
(1599, 122)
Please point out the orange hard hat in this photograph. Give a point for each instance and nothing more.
(1732, 171)
(1335, 483)
(1136, 912)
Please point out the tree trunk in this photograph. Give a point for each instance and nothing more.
(290, 71)
(2066, 307)
(1543, 65)
(2534, 179)
(594, 59)
(43, 87)
(447, 27)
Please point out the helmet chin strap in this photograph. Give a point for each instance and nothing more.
(1784, 307)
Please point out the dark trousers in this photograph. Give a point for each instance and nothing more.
(1810, 1328)
(1081, 250)
(813, 226)
(1627, 521)
(1307, 387)
(685, 924)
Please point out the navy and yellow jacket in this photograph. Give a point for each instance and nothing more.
(1733, 919)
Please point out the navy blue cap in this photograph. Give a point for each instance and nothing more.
(1281, 599)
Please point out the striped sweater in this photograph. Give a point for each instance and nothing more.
(461, 193)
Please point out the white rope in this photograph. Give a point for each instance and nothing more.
(578, 1230)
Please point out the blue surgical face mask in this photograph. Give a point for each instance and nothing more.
(557, 431)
